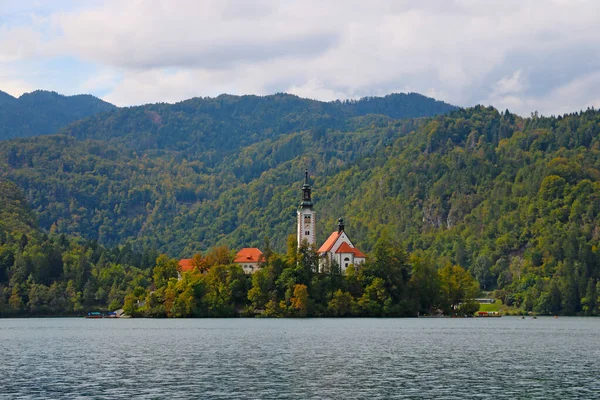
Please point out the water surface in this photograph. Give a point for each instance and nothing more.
(300, 359)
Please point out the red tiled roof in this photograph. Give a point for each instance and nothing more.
(249, 254)
(186, 264)
(345, 248)
(329, 242)
(359, 254)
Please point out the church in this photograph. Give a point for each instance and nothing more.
(338, 248)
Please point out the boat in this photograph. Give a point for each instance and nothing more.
(94, 315)
(487, 314)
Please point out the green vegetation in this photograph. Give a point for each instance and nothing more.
(513, 201)
(41, 275)
(42, 113)
(496, 306)
(182, 178)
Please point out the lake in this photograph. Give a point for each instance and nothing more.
(300, 359)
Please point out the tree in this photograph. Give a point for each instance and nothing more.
(164, 270)
(590, 301)
(392, 268)
(457, 288)
(424, 284)
(200, 263)
(15, 301)
(481, 270)
(374, 299)
(262, 288)
(341, 304)
(220, 255)
(299, 302)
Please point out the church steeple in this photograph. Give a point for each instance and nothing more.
(340, 225)
(306, 200)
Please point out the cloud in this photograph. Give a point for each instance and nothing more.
(209, 34)
(515, 54)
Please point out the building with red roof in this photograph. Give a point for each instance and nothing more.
(185, 265)
(250, 258)
(338, 248)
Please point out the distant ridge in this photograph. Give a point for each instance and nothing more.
(227, 122)
(6, 98)
(43, 112)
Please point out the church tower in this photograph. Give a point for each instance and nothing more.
(306, 216)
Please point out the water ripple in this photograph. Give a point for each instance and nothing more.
(300, 359)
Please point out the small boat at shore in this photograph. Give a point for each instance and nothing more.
(487, 314)
(94, 315)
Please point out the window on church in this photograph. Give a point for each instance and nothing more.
(307, 233)
(307, 218)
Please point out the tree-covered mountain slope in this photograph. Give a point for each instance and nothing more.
(122, 175)
(514, 200)
(214, 127)
(16, 217)
(171, 200)
(42, 112)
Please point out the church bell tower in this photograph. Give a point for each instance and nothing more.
(306, 216)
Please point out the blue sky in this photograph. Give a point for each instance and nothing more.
(520, 55)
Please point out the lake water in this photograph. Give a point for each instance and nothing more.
(300, 359)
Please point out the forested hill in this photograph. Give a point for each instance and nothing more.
(15, 214)
(222, 125)
(514, 200)
(42, 112)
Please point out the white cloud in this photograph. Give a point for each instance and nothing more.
(513, 84)
(516, 54)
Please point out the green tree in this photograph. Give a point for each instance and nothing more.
(341, 304)
(164, 270)
(458, 288)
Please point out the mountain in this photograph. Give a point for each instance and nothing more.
(42, 112)
(514, 200)
(222, 125)
(120, 175)
(6, 98)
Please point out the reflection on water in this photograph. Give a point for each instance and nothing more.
(300, 359)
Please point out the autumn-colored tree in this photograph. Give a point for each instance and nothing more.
(220, 255)
(299, 301)
(199, 263)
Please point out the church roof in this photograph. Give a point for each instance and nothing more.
(186, 264)
(346, 248)
(329, 242)
(359, 254)
(249, 254)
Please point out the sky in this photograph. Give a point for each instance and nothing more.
(525, 56)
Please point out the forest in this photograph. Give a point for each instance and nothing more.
(42, 112)
(457, 195)
(53, 275)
